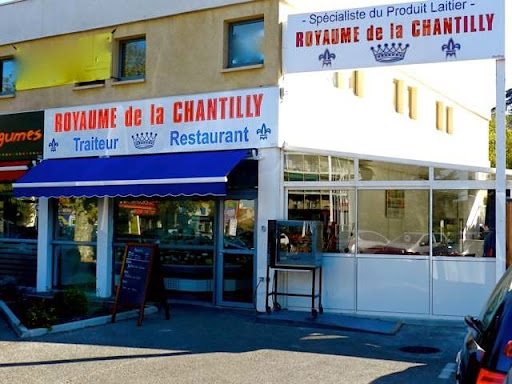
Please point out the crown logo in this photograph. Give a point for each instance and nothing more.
(326, 58)
(451, 48)
(144, 140)
(390, 53)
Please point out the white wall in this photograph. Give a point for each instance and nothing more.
(32, 19)
(316, 114)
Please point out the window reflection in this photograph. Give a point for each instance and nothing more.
(245, 43)
(167, 222)
(239, 224)
(393, 222)
(377, 170)
(184, 232)
(133, 59)
(77, 219)
(74, 247)
(18, 217)
(335, 209)
(308, 167)
(456, 174)
(464, 223)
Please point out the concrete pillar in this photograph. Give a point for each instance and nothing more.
(104, 252)
(270, 206)
(44, 245)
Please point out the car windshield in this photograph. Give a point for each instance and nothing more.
(496, 298)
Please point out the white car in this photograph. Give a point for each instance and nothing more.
(417, 243)
(365, 240)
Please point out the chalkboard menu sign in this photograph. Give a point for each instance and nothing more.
(136, 271)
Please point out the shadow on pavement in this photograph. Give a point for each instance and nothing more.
(201, 330)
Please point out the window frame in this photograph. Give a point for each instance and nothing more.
(229, 51)
(2, 91)
(121, 60)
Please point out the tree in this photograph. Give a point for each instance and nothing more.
(492, 141)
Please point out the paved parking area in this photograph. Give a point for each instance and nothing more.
(208, 345)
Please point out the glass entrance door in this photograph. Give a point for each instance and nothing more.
(236, 256)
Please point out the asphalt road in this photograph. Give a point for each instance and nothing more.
(207, 345)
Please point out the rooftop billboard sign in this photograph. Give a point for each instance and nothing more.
(398, 34)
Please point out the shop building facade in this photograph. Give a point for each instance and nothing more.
(178, 127)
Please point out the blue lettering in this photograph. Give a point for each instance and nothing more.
(174, 138)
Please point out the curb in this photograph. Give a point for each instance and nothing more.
(23, 332)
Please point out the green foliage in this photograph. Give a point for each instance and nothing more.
(71, 302)
(39, 314)
(492, 141)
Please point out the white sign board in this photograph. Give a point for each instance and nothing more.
(203, 122)
(407, 33)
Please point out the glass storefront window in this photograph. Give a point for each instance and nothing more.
(381, 171)
(77, 219)
(74, 245)
(308, 167)
(463, 223)
(184, 231)
(18, 238)
(167, 222)
(335, 209)
(18, 217)
(75, 266)
(393, 222)
(456, 174)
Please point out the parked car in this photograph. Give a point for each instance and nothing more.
(366, 240)
(415, 243)
(486, 354)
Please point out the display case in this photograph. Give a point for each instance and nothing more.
(294, 244)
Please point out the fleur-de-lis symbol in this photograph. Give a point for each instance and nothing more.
(263, 132)
(451, 48)
(326, 58)
(53, 145)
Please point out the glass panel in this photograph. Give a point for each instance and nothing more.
(238, 277)
(133, 58)
(239, 224)
(294, 167)
(188, 274)
(77, 219)
(245, 43)
(18, 217)
(342, 169)
(455, 174)
(375, 170)
(75, 265)
(7, 68)
(168, 222)
(237, 269)
(18, 263)
(184, 230)
(306, 167)
(393, 222)
(335, 209)
(18, 222)
(463, 223)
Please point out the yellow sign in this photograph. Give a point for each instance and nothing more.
(70, 62)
